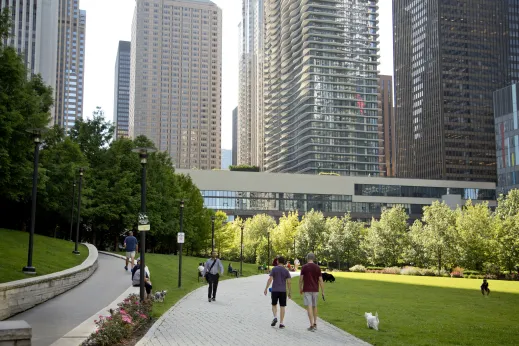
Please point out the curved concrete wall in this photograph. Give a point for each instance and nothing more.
(21, 295)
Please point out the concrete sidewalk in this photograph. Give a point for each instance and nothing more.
(241, 315)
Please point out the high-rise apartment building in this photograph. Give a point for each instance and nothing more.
(250, 108)
(235, 136)
(175, 80)
(449, 57)
(321, 87)
(122, 90)
(70, 64)
(34, 22)
(388, 115)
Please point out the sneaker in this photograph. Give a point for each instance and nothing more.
(213, 299)
(126, 268)
(274, 321)
(311, 329)
(315, 326)
(281, 326)
(209, 300)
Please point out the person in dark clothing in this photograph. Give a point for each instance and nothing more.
(136, 277)
(211, 268)
(484, 288)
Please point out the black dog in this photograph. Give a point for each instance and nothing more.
(328, 277)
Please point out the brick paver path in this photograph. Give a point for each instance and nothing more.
(241, 315)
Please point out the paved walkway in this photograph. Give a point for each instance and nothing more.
(56, 317)
(241, 315)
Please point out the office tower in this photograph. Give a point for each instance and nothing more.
(226, 158)
(388, 115)
(175, 80)
(71, 64)
(235, 136)
(250, 106)
(449, 57)
(321, 87)
(122, 90)
(507, 138)
(34, 22)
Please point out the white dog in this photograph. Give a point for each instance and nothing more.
(372, 321)
(160, 295)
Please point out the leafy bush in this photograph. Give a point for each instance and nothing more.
(471, 272)
(444, 273)
(244, 168)
(122, 323)
(391, 270)
(374, 268)
(359, 268)
(512, 277)
(428, 272)
(491, 277)
(457, 272)
(492, 268)
(410, 271)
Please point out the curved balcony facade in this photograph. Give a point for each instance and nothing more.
(321, 102)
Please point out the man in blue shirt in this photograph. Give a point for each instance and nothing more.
(211, 268)
(130, 244)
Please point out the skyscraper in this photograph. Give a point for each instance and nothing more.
(250, 107)
(175, 80)
(122, 89)
(34, 22)
(235, 136)
(388, 116)
(321, 87)
(449, 57)
(70, 64)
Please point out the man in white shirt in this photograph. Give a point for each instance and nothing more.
(211, 269)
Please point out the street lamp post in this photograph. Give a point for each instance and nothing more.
(144, 224)
(76, 251)
(29, 269)
(180, 243)
(241, 251)
(72, 212)
(212, 233)
(268, 250)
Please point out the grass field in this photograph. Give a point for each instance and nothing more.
(164, 276)
(49, 255)
(416, 310)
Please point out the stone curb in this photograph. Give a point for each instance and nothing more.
(18, 296)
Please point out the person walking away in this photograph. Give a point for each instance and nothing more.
(281, 287)
(309, 282)
(130, 244)
(211, 274)
(296, 264)
(136, 277)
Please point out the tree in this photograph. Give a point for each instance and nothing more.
(284, 235)
(506, 236)
(475, 228)
(311, 233)
(24, 104)
(224, 234)
(353, 235)
(386, 239)
(255, 238)
(439, 236)
(416, 252)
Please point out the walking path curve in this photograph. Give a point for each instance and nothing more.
(241, 315)
(56, 317)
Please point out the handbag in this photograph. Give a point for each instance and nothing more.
(212, 265)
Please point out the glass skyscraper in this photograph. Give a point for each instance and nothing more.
(122, 90)
(321, 87)
(449, 58)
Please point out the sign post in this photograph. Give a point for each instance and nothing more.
(180, 241)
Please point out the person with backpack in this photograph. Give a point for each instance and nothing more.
(211, 268)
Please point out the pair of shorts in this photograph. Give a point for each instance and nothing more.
(310, 298)
(130, 254)
(281, 296)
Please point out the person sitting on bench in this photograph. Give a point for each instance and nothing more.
(230, 270)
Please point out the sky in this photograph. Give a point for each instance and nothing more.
(109, 21)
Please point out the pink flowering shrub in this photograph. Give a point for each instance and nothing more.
(121, 323)
(457, 272)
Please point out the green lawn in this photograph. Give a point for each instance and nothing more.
(164, 276)
(50, 255)
(416, 310)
